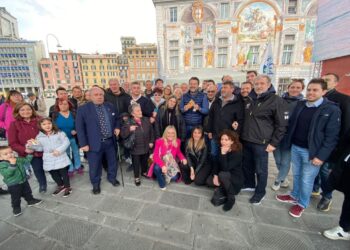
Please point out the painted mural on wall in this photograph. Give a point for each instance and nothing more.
(309, 40)
(257, 22)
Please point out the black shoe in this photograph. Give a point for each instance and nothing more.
(3, 192)
(115, 183)
(42, 189)
(256, 199)
(219, 197)
(96, 190)
(324, 205)
(130, 168)
(17, 211)
(34, 202)
(137, 181)
(67, 192)
(229, 204)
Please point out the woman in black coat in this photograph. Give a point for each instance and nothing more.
(228, 172)
(197, 169)
(144, 139)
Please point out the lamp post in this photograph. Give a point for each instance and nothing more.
(48, 53)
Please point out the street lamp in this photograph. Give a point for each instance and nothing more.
(48, 53)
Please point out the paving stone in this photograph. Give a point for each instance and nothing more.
(163, 234)
(107, 239)
(319, 222)
(273, 238)
(6, 231)
(28, 242)
(34, 219)
(166, 217)
(210, 243)
(117, 223)
(322, 243)
(50, 205)
(140, 193)
(220, 228)
(6, 209)
(81, 198)
(180, 200)
(191, 189)
(72, 231)
(277, 217)
(82, 213)
(162, 246)
(120, 207)
(241, 211)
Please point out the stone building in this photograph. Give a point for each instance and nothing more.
(210, 39)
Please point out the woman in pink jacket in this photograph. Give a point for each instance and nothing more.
(167, 149)
(6, 109)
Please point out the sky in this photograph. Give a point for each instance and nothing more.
(85, 26)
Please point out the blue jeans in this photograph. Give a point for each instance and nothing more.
(214, 149)
(37, 165)
(321, 180)
(255, 162)
(157, 171)
(304, 174)
(282, 159)
(76, 155)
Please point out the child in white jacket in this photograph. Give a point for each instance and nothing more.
(54, 144)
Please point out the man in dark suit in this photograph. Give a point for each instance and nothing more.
(96, 125)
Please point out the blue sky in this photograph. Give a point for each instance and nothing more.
(84, 25)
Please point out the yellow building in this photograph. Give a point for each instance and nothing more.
(143, 60)
(98, 69)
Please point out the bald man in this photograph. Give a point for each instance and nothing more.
(96, 125)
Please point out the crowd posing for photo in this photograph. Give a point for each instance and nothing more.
(214, 135)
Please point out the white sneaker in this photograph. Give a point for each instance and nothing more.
(163, 189)
(337, 233)
(285, 183)
(128, 160)
(248, 189)
(276, 186)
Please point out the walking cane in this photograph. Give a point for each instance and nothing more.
(120, 159)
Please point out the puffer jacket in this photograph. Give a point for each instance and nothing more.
(194, 118)
(49, 143)
(15, 174)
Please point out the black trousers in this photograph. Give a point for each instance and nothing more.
(18, 191)
(200, 177)
(231, 184)
(140, 162)
(345, 212)
(60, 176)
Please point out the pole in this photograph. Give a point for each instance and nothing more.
(119, 160)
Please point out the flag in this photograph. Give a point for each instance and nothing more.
(266, 66)
(249, 57)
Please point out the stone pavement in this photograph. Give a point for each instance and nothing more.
(147, 218)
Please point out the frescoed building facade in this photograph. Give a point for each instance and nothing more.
(210, 39)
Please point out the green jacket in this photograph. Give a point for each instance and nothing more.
(15, 174)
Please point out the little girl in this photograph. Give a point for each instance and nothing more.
(54, 144)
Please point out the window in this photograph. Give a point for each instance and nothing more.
(77, 78)
(292, 6)
(64, 57)
(254, 55)
(224, 10)
(283, 85)
(222, 57)
(174, 59)
(173, 14)
(54, 57)
(287, 54)
(46, 75)
(223, 41)
(173, 43)
(74, 57)
(289, 38)
(198, 42)
(197, 58)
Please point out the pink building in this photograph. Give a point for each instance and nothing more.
(62, 69)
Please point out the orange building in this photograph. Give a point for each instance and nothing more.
(62, 69)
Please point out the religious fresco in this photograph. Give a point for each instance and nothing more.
(309, 40)
(257, 22)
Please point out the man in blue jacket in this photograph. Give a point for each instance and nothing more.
(194, 106)
(96, 125)
(313, 133)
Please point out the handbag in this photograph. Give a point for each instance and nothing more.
(3, 130)
(172, 167)
(129, 142)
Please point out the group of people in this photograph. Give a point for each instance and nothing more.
(215, 136)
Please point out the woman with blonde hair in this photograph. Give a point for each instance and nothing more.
(167, 92)
(166, 153)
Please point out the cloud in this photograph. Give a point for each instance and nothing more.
(85, 25)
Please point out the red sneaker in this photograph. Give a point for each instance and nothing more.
(71, 174)
(286, 198)
(80, 171)
(296, 211)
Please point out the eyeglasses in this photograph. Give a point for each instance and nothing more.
(210, 91)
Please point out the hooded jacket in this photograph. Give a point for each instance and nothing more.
(121, 102)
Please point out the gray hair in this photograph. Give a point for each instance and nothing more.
(265, 77)
(132, 107)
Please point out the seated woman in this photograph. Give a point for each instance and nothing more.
(144, 139)
(166, 152)
(228, 172)
(197, 169)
